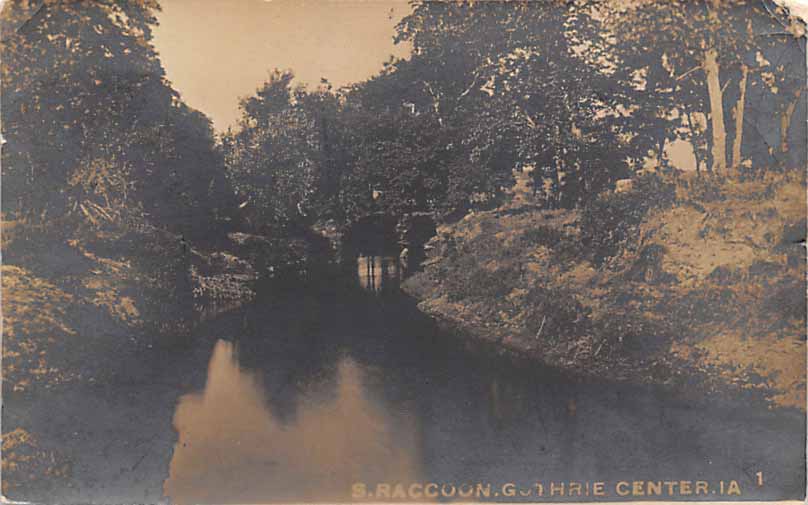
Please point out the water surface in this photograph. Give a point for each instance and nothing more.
(306, 403)
(300, 396)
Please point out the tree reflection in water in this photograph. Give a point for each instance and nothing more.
(355, 387)
(378, 273)
(232, 449)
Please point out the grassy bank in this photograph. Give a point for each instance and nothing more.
(87, 305)
(695, 282)
(73, 292)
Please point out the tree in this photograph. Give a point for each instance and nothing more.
(699, 59)
(281, 159)
(523, 68)
(401, 149)
(84, 95)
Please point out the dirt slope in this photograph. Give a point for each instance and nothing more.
(706, 290)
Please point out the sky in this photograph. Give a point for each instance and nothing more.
(217, 51)
(797, 7)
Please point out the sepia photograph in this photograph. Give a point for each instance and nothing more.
(403, 251)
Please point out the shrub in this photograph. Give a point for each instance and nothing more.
(611, 220)
(648, 266)
(705, 189)
(787, 301)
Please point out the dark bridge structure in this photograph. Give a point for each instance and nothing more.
(380, 234)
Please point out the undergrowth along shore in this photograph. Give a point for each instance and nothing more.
(686, 280)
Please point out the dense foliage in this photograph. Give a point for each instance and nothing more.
(93, 129)
(578, 94)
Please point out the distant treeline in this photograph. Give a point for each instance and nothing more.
(579, 93)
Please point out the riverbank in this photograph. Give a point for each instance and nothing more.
(693, 283)
(305, 371)
(72, 291)
(93, 308)
(298, 360)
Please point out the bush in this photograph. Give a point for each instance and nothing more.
(611, 220)
(787, 301)
(648, 266)
(705, 189)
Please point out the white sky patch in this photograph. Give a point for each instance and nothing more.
(798, 8)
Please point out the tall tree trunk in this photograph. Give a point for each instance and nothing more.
(739, 111)
(660, 151)
(719, 147)
(785, 121)
(691, 125)
(716, 94)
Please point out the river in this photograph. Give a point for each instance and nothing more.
(305, 396)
